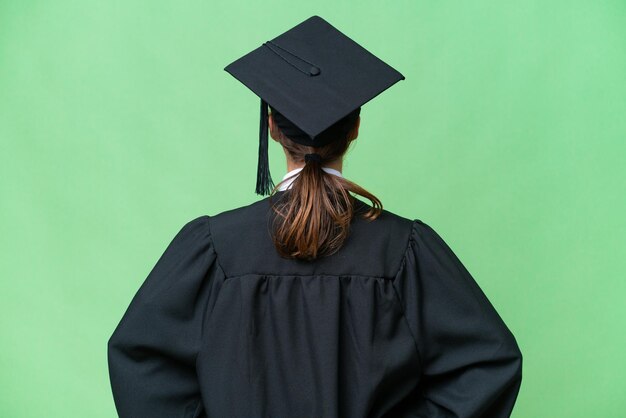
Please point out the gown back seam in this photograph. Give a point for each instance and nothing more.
(217, 258)
(318, 274)
(411, 240)
(406, 321)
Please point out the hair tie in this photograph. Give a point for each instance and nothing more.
(314, 156)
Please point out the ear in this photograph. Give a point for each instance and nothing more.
(272, 127)
(355, 130)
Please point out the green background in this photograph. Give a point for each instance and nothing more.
(118, 124)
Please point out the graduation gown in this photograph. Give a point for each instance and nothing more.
(392, 325)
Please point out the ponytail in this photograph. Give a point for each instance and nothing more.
(312, 219)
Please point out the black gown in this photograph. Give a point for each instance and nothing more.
(392, 325)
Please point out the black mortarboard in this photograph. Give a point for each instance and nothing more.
(314, 76)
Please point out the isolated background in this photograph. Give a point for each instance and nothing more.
(118, 125)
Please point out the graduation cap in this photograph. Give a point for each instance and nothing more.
(314, 76)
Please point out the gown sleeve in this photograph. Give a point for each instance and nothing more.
(152, 351)
(471, 363)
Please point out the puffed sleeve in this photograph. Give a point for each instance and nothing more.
(471, 362)
(152, 351)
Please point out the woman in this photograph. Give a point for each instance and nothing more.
(311, 303)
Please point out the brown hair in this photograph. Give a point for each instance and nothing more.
(314, 214)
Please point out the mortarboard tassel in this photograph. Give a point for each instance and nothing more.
(264, 183)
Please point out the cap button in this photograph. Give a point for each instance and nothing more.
(314, 71)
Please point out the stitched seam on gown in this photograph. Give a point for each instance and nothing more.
(217, 258)
(210, 235)
(205, 315)
(409, 240)
(406, 321)
(295, 275)
(397, 293)
(198, 407)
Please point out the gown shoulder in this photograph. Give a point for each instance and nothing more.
(153, 349)
(471, 362)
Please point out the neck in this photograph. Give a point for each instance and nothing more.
(337, 165)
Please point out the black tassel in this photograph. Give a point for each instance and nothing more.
(264, 183)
